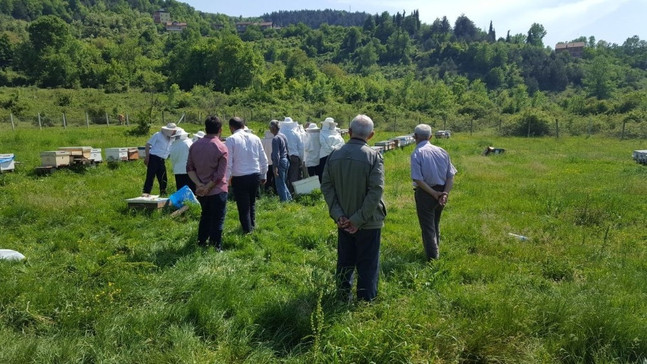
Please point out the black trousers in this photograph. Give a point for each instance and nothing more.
(359, 251)
(294, 173)
(212, 219)
(182, 180)
(245, 188)
(156, 168)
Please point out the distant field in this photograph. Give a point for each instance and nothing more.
(102, 283)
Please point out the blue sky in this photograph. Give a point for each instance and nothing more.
(611, 20)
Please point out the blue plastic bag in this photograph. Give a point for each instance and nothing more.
(182, 196)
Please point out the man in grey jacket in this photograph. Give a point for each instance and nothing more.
(352, 184)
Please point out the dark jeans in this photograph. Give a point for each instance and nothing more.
(429, 211)
(182, 180)
(156, 168)
(269, 180)
(321, 166)
(245, 188)
(212, 219)
(359, 251)
(294, 172)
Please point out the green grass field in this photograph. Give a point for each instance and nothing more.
(102, 283)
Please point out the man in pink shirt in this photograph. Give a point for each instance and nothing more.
(207, 168)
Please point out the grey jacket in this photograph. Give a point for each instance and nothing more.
(353, 183)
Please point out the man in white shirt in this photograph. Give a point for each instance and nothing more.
(246, 168)
(157, 150)
(178, 155)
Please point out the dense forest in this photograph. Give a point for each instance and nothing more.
(389, 65)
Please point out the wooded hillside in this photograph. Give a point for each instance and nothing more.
(390, 65)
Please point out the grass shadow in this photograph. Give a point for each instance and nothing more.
(290, 327)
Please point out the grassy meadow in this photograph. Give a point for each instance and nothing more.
(102, 283)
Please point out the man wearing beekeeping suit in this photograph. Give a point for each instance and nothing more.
(329, 140)
(296, 150)
(312, 147)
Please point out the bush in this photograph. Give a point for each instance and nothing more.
(530, 123)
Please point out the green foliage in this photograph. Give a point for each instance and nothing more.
(531, 123)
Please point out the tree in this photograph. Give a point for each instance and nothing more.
(6, 51)
(536, 34)
(464, 29)
(491, 34)
(600, 78)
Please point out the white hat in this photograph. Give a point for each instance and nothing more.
(329, 123)
(170, 127)
(312, 127)
(287, 119)
(199, 134)
(180, 133)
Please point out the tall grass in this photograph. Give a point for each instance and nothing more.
(102, 283)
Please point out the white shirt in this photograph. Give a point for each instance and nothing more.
(312, 147)
(179, 154)
(160, 145)
(295, 143)
(246, 155)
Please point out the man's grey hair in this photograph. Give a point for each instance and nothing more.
(362, 126)
(274, 124)
(423, 131)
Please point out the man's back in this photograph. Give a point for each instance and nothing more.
(353, 183)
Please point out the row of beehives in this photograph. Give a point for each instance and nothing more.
(394, 143)
(67, 156)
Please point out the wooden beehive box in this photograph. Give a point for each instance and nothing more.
(83, 152)
(116, 154)
(133, 153)
(386, 144)
(55, 158)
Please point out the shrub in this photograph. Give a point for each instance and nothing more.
(530, 123)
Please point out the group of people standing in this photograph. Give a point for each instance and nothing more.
(299, 151)
(352, 183)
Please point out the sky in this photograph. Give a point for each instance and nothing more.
(564, 20)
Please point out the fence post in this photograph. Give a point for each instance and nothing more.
(557, 128)
(40, 124)
(64, 122)
(127, 121)
(87, 120)
(624, 123)
(471, 126)
(13, 127)
(107, 120)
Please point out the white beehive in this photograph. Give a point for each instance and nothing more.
(95, 155)
(7, 163)
(306, 185)
(116, 154)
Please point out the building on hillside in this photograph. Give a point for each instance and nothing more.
(241, 27)
(175, 26)
(161, 16)
(576, 49)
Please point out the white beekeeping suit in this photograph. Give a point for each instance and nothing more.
(312, 145)
(329, 138)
